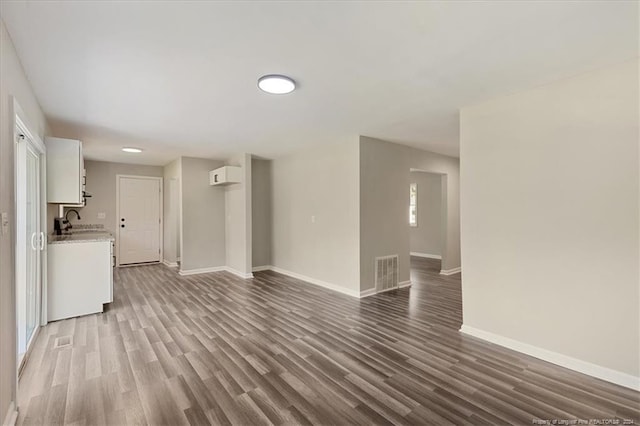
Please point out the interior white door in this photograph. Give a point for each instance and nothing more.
(139, 221)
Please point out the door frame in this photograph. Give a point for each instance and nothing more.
(161, 208)
(444, 208)
(21, 127)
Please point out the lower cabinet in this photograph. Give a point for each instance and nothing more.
(79, 278)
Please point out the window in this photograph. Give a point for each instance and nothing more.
(413, 204)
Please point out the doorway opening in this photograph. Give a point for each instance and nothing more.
(427, 231)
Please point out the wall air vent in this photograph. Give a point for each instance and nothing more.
(386, 272)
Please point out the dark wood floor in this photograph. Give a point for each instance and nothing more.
(213, 348)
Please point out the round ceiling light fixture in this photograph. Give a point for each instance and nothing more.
(276, 84)
(128, 149)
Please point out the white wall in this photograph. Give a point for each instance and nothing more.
(203, 216)
(320, 184)
(261, 212)
(426, 238)
(238, 222)
(13, 84)
(384, 201)
(550, 218)
(172, 202)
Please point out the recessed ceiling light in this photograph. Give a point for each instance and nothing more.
(276, 84)
(131, 149)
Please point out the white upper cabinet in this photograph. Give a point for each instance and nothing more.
(225, 175)
(65, 171)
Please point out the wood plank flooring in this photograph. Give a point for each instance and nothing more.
(216, 349)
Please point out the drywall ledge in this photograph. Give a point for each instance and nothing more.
(613, 376)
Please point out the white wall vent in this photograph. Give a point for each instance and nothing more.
(386, 272)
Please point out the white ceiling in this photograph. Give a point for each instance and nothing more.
(179, 78)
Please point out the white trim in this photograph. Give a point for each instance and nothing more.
(339, 289)
(170, 264)
(262, 268)
(451, 271)
(161, 213)
(12, 415)
(238, 273)
(604, 373)
(372, 291)
(202, 270)
(367, 293)
(404, 284)
(31, 141)
(215, 269)
(428, 256)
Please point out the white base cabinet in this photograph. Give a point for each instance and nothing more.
(80, 278)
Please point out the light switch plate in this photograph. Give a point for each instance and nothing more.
(4, 223)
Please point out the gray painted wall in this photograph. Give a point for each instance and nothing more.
(261, 211)
(426, 238)
(101, 184)
(322, 183)
(13, 83)
(238, 222)
(172, 203)
(203, 216)
(550, 217)
(384, 200)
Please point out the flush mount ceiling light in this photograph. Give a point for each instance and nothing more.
(126, 149)
(276, 84)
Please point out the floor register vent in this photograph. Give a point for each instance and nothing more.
(386, 272)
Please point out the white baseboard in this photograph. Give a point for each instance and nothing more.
(372, 291)
(261, 268)
(339, 289)
(451, 271)
(216, 269)
(604, 373)
(404, 284)
(367, 293)
(170, 264)
(202, 270)
(12, 415)
(428, 256)
(238, 273)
